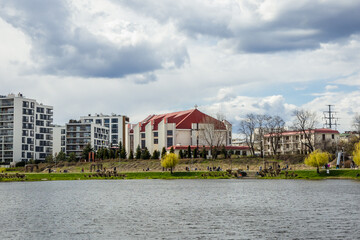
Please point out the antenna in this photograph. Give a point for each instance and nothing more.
(330, 119)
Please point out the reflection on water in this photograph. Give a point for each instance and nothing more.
(180, 209)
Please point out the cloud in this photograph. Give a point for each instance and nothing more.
(258, 26)
(331, 87)
(61, 46)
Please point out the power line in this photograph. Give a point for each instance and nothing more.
(330, 119)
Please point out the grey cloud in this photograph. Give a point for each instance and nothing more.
(295, 28)
(59, 48)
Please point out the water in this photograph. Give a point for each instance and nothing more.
(180, 209)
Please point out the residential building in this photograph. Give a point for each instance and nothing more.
(115, 123)
(294, 142)
(80, 133)
(25, 129)
(237, 150)
(59, 139)
(183, 128)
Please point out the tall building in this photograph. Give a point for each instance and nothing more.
(59, 139)
(25, 129)
(81, 133)
(184, 128)
(115, 123)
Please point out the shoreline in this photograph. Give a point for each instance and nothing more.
(346, 174)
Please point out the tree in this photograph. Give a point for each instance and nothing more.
(163, 152)
(120, 146)
(131, 154)
(223, 151)
(356, 154)
(49, 158)
(72, 157)
(317, 159)
(203, 153)
(145, 154)
(247, 128)
(181, 154)
(171, 149)
(123, 153)
(155, 155)
(111, 153)
(213, 132)
(61, 156)
(86, 150)
(170, 161)
(196, 153)
(261, 123)
(105, 153)
(305, 122)
(138, 152)
(275, 128)
(189, 152)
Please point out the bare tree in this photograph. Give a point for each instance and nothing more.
(247, 128)
(275, 128)
(261, 125)
(213, 133)
(356, 123)
(305, 121)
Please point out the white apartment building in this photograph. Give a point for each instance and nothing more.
(294, 142)
(25, 129)
(184, 128)
(59, 139)
(80, 133)
(115, 123)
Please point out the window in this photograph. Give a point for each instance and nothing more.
(332, 136)
(62, 131)
(98, 121)
(114, 120)
(323, 137)
(142, 135)
(142, 144)
(169, 141)
(106, 120)
(169, 132)
(156, 141)
(156, 134)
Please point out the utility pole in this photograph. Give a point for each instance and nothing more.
(330, 119)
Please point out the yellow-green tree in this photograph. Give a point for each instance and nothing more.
(317, 159)
(170, 161)
(356, 154)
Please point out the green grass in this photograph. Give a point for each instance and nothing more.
(312, 174)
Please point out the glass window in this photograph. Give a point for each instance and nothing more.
(114, 120)
(106, 120)
(332, 136)
(142, 135)
(156, 141)
(169, 141)
(156, 134)
(142, 144)
(98, 121)
(169, 132)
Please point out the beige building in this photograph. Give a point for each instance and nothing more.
(294, 142)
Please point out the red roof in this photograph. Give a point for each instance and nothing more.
(318, 130)
(208, 147)
(182, 120)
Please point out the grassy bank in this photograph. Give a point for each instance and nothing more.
(297, 174)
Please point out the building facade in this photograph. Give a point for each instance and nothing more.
(294, 142)
(59, 139)
(184, 128)
(115, 123)
(81, 133)
(25, 129)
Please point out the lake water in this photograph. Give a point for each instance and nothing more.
(180, 209)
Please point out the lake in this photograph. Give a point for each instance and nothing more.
(180, 209)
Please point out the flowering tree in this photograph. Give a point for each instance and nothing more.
(170, 161)
(317, 159)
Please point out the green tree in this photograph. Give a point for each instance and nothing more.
(196, 152)
(85, 153)
(163, 152)
(145, 154)
(61, 156)
(155, 154)
(123, 153)
(171, 149)
(120, 146)
(317, 159)
(170, 161)
(72, 157)
(138, 152)
(223, 151)
(99, 153)
(131, 154)
(105, 153)
(181, 154)
(203, 153)
(111, 153)
(356, 154)
(49, 158)
(189, 152)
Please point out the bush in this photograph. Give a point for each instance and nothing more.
(20, 164)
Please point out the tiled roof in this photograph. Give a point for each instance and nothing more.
(182, 120)
(318, 130)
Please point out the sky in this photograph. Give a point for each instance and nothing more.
(136, 58)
